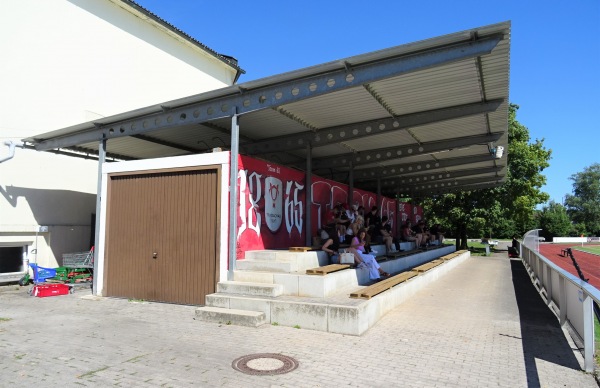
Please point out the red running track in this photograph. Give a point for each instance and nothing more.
(588, 263)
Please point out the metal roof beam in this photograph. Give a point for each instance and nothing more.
(407, 189)
(399, 169)
(437, 176)
(84, 153)
(285, 92)
(439, 191)
(390, 153)
(167, 144)
(447, 188)
(327, 136)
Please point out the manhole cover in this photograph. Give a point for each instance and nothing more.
(264, 364)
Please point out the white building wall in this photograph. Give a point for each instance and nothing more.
(69, 61)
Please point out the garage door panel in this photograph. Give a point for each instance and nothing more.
(162, 236)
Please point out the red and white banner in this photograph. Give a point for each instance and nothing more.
(417, 214)
(272, 205)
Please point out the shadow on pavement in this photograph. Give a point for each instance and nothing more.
(541, 334)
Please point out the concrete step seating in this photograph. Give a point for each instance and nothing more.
(231, 316)
(249, 288)
(398, 254)
(384, 285)
(275, 288)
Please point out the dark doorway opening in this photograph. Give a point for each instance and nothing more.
(11, 259)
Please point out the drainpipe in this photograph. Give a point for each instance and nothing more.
(11, 149)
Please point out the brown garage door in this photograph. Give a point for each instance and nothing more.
(162, 233)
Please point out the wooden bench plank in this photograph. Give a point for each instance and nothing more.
(327, 269)
(452, 255)
(384, 285)
(427, 266)
(300, 249)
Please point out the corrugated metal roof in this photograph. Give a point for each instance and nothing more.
(418, 105)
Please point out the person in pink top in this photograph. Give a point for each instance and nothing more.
(358, 243)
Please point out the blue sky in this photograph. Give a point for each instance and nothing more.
(555, 52)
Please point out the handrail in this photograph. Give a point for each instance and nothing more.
(573, 297)
(591, 290)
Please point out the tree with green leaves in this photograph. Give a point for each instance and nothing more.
(503, 211)
(522, 191)
(554, 220)
(583, 206)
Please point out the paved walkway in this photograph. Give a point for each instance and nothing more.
(482, 325)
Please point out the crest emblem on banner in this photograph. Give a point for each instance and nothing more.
(273, 203)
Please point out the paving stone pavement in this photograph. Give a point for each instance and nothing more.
(481, 325)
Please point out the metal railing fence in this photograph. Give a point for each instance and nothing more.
(569, 297)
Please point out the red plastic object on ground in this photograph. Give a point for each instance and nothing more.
(43, 290)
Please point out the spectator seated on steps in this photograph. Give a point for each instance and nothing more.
(371, 220)
(387, 225)
(422, 233)
(408, 234)
(338, 217)
(334, 218)
(332, 246)
(358, 248)
(362, 260)
(381, 234)
(437, 233)
(361, 211)
(355, 226)
(351, 212)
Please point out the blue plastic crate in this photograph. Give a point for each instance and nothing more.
(40, 274)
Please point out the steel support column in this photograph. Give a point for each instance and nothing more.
(233, 194)
(308, 185)
(350, 185)
(101, 160)
(379, 194)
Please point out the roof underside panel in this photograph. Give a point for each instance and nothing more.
(392, 119)
(467, 126)
(429, 89)
(382, 140)
(344, 107)
(269, 123)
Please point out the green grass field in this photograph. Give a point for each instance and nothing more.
(595, 249)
